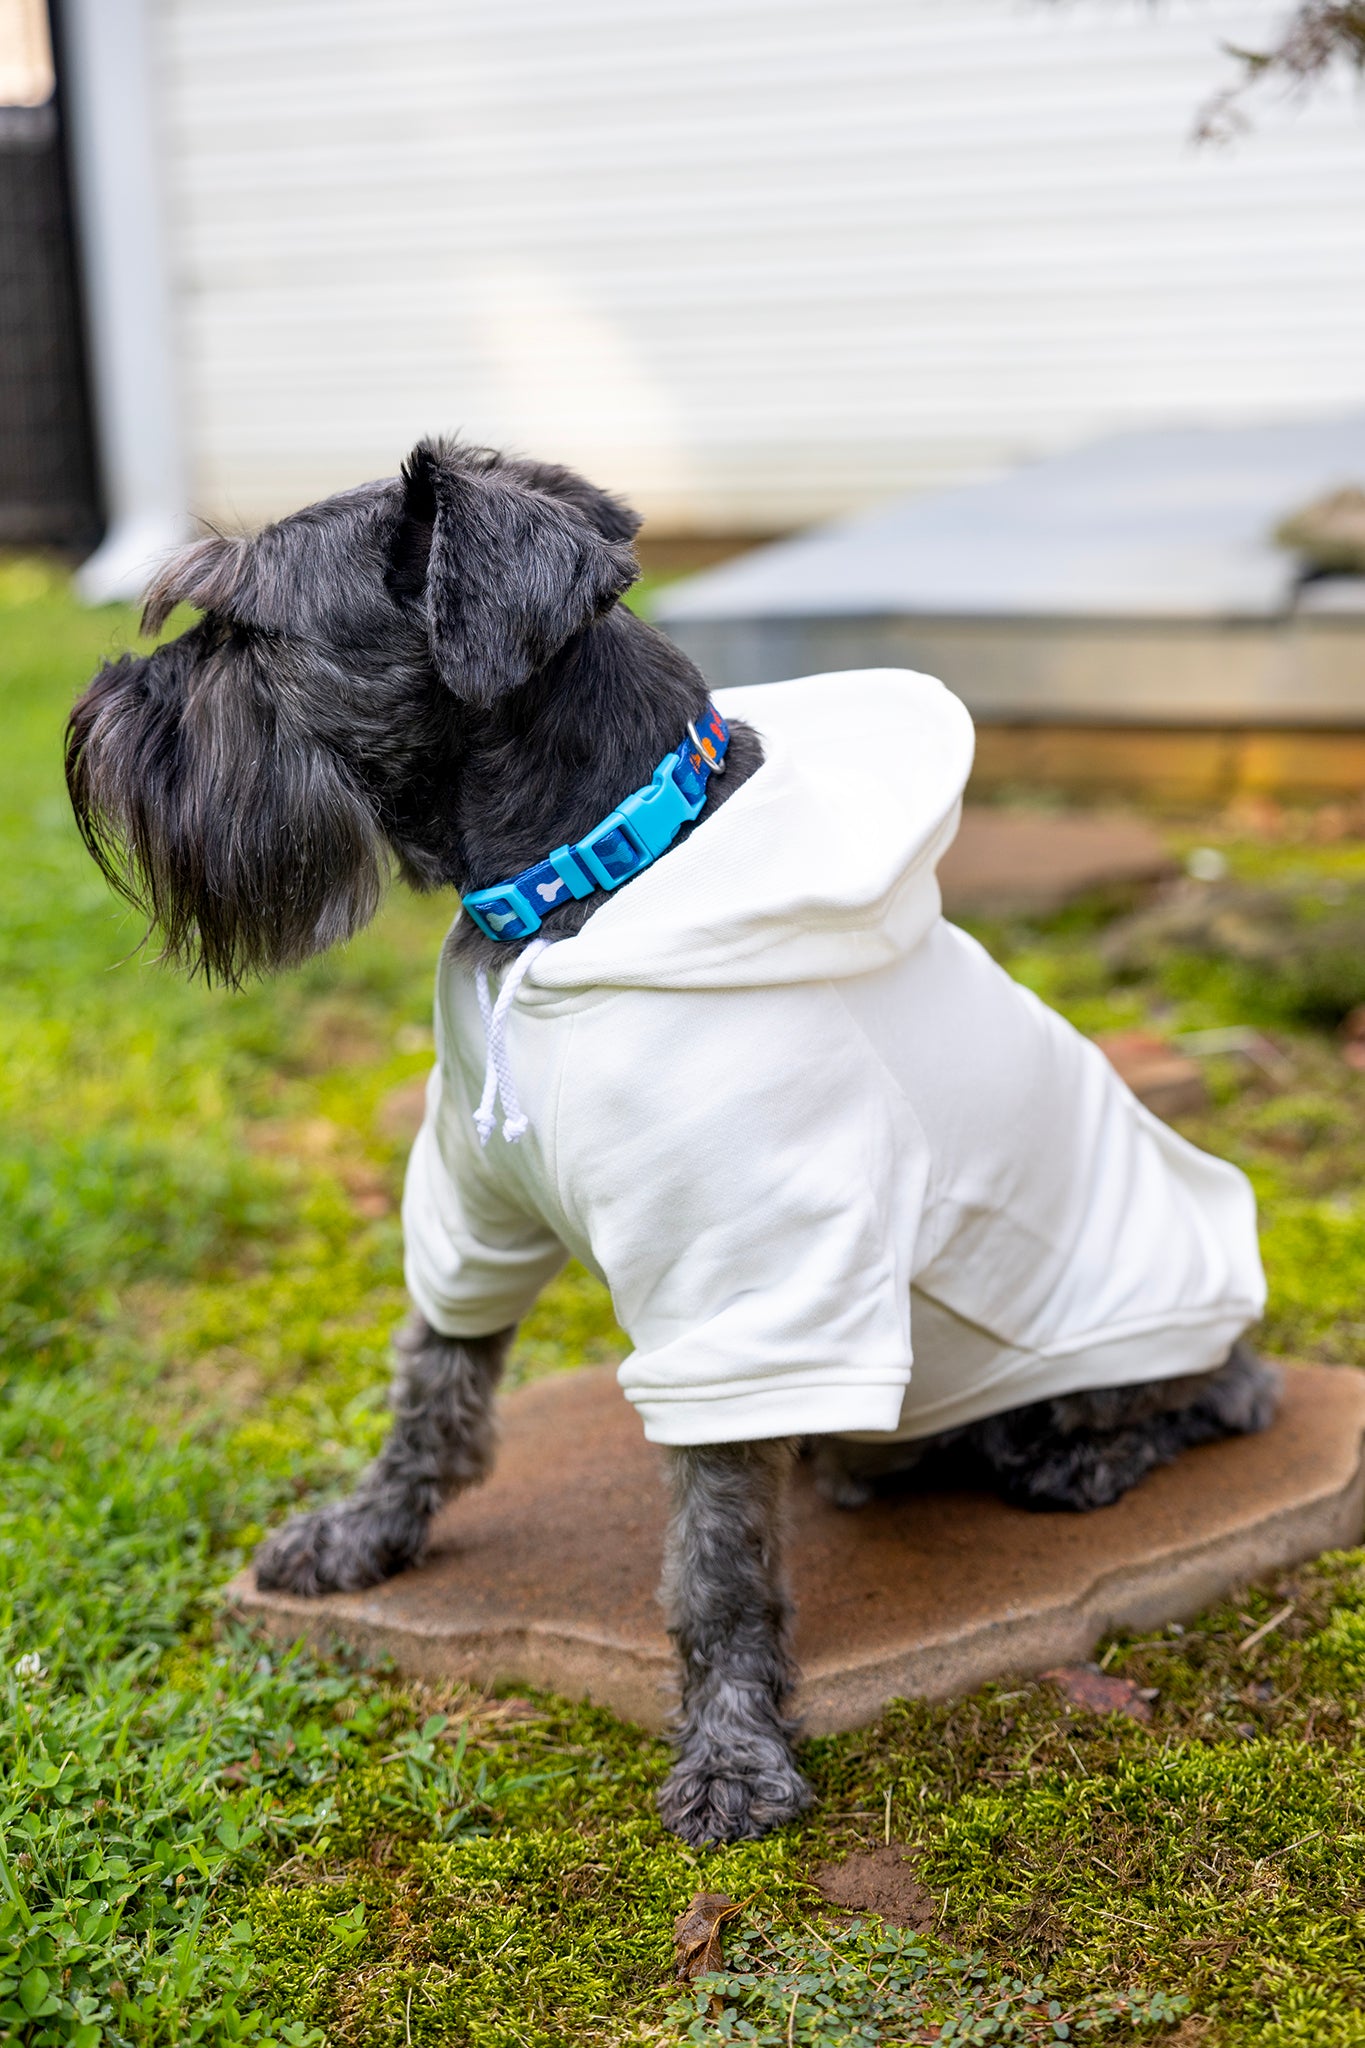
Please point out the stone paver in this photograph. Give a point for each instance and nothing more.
(1010, 860)
(546, 1575)
(1167, 1080)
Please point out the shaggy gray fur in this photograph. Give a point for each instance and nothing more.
(729, 1614)
(1081, 1451)
(441, 1441)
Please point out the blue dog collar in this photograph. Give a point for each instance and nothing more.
(634, 834)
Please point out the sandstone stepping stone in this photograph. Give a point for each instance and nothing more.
(546, 1575)
(1167, 1080)
(1004, 860)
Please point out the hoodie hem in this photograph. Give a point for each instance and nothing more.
(1173, 1350)
(749, 1417)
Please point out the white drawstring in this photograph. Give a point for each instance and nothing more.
(497, 1073)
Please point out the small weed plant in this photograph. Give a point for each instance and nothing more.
(856, 1986)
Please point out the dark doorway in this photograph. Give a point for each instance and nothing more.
(48, 487)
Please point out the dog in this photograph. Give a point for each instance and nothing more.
(811, 1133)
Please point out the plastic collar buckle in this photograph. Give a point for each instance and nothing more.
(641, 827)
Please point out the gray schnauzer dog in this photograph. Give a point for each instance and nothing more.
(434, 670)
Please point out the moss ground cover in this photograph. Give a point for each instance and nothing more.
(199, 1266)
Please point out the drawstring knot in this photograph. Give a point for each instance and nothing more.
(497, 1073)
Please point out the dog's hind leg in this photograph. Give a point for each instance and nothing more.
(729, 1615)
(1085, 1450)
(848, 1473)
(441, 1442)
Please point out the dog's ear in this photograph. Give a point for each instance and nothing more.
(509, 572)
(613, 518)
(208, 574)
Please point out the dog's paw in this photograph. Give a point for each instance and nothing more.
(716, 1804)
(338, 1550)
(844, 1490)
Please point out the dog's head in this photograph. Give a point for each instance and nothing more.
(247, 782)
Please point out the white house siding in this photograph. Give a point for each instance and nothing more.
(750, 261)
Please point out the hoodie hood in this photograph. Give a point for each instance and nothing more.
(821, 866)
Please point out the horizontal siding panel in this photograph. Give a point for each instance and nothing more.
(752, 261)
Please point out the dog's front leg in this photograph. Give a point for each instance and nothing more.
(441, 1441)
(730, 1619)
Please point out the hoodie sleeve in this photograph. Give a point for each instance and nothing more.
(473, 1262)
(751, 1180)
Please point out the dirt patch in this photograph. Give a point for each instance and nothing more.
(879, 1881)
(318, 1141)
(339, 1034)
(400, 1112)
(224, 1379)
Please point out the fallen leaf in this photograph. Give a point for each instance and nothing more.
(697, 1934)
(880, 1881)
(1085, 1685)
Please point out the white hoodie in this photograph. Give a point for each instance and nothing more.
(840, 1173)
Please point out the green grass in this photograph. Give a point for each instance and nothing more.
(203, 1841)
